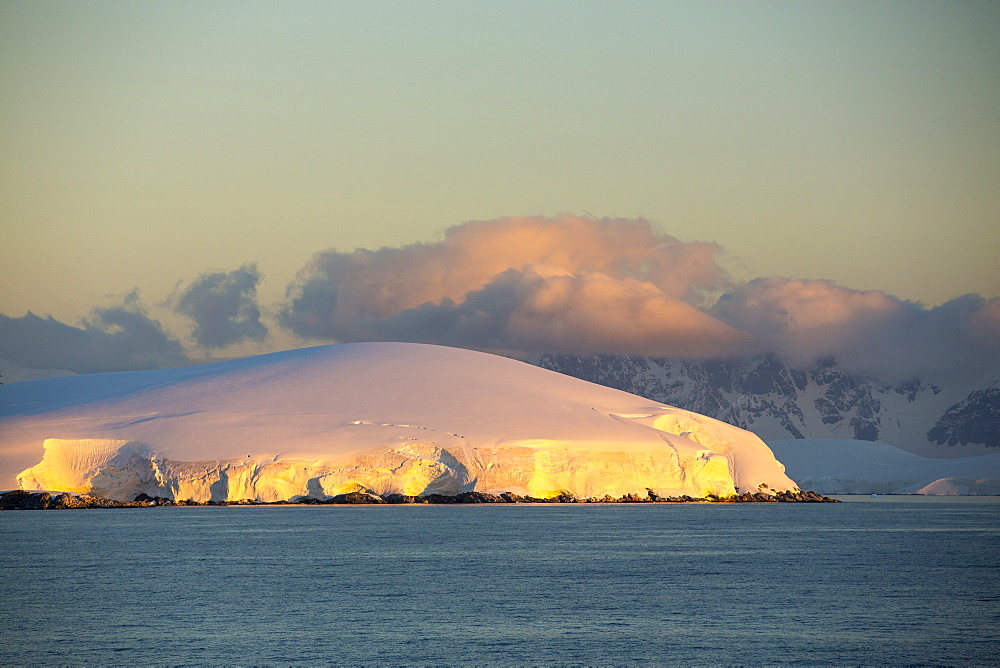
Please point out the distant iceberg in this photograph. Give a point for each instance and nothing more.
(383, 418)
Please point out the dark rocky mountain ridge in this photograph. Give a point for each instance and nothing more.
(777, 401)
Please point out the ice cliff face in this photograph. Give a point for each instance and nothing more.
(383, 418)
(118, 470)
(778, 401)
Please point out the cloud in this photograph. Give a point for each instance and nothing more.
(116, 338)
(223, 307)
(583, 285)
(531, 284)
(586, 313)
(869, 331)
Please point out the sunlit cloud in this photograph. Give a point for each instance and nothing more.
(529, 312)
(534, 285)
(565, 283)
(866, 331)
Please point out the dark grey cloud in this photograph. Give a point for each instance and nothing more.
(223, 307)
(117, 338)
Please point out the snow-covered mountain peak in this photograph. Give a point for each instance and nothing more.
(778, 401)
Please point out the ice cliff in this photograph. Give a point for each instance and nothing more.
(378, 417)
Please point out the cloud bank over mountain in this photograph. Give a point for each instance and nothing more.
(533, 284)
(526, 284)
(865, 331)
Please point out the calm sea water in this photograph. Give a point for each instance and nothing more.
(877, 581)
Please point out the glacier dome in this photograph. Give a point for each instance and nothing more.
(378, 417)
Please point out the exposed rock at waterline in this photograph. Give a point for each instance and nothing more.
(22, 500)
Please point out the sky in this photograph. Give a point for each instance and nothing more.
(806, 177)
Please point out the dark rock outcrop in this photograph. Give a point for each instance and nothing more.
(974, 420)
(147, 500)
(21, 500)
(357, 498)
(399, 498)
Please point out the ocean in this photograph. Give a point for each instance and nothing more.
(889, 580)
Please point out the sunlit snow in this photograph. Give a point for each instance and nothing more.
(378, 417)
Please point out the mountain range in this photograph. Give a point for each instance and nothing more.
(778, 401)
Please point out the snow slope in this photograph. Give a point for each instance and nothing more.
(830, 466)
(381, 417)
(18, 373)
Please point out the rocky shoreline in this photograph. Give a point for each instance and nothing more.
(23, 500)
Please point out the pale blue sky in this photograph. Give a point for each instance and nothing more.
(146, 142)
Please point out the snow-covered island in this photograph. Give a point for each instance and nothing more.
(370, 418)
